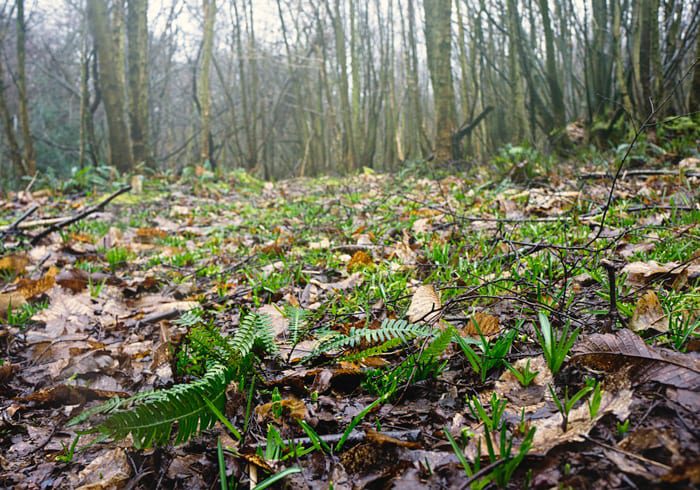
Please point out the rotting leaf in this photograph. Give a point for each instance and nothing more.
(625, 349)
(488, 325)
(649, 315)
(425, 305)
(359, 259)
(14, 263)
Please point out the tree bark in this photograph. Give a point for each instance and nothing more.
(137, 55)
(438, 29)
(204, 95)
(29, 157)
(555, 92)
(694, 104)
(111, 86)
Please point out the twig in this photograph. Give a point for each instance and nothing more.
(636, 173)
(627, 453)
(13, 227)
(79, 216)
(354, 437)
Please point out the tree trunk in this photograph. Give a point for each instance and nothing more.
(204, 95)
(694, 105)
(111, 86)
(29, 159)
(438, 40)
(555, 92)
(137, 35)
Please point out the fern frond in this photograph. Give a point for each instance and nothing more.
(297, 320)
(389, 329)
(190, 318)
(264, 333)
(374, 351)
(438, 345)
(152, 420)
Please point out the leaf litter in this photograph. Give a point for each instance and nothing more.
(366, 286)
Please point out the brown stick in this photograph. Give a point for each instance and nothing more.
(79, 216)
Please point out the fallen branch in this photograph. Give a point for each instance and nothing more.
(87, 212)
(355, 436)
(12, 228)
(637, 173)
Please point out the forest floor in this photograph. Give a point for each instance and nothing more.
(403, 331)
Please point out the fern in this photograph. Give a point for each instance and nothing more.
(297, 320)
(151, 416)
(389, 329)
(151, 421)
(374, 351)
(190, 318)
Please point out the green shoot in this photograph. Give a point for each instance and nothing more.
(564, 406)
(524, 377)
(555, 348)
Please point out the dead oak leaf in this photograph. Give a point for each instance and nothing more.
(425, 305)
(649, 315)
(482, 323)
(14, 263)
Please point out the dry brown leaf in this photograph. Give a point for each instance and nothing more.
(291, 407)
(487, 324)
(14, 263)
(359, 260)
(74, 279)
(425, 305)
(645, 272)
(375, 437)
(649, 315)
(10, 300)
(626, 350)
(109, 470)
(30, 288)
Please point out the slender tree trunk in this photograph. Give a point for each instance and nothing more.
(204, 95)
(619, 58)
(14, 149)
(555, 92)
(29, 158)
(438, 30)
(694, 104)
(111, 86)
(345, 107)
(516, 81)
(137, 35)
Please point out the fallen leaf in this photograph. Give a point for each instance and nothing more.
(107, 471)
(359, 260)
(425, 305)
(645, 272)
(649, 315)
(14, 263)
(10, 300)
(625, 349)
(487, 325)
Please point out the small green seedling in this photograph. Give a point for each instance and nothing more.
(68, 451)
(116, 257)
(554, 347)
(524, 377)
(623, 428)
(594, 401)
(492, 354)
(564, 406)
(493, 421)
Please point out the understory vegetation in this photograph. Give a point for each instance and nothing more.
(431, 328)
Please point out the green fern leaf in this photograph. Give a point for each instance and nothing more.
(389, 329)
(151, 422)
